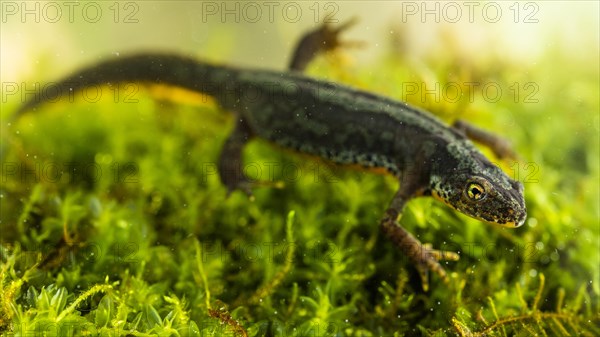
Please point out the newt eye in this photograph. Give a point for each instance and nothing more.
(475, 192)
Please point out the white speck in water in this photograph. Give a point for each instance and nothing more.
(533, 272)
(532, 222)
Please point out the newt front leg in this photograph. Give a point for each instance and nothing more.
(423, 257)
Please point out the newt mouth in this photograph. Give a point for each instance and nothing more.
(521, 220)
(513, 224)
(518, 222)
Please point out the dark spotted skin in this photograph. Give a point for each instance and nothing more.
(340, 124)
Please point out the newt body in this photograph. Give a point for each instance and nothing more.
(340, 124)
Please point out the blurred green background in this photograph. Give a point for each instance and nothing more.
(167, 253)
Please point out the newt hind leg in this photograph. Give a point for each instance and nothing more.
(230, 160)
(321, 40)
(230, 166)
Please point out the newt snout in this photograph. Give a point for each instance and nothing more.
(518, 213)
(485, 194)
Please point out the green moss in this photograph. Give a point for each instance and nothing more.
(142, 240)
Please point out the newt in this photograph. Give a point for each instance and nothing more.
(340, 124)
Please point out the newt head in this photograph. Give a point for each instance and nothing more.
(482, 191)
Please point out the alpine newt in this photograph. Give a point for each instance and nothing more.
(340, 124)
